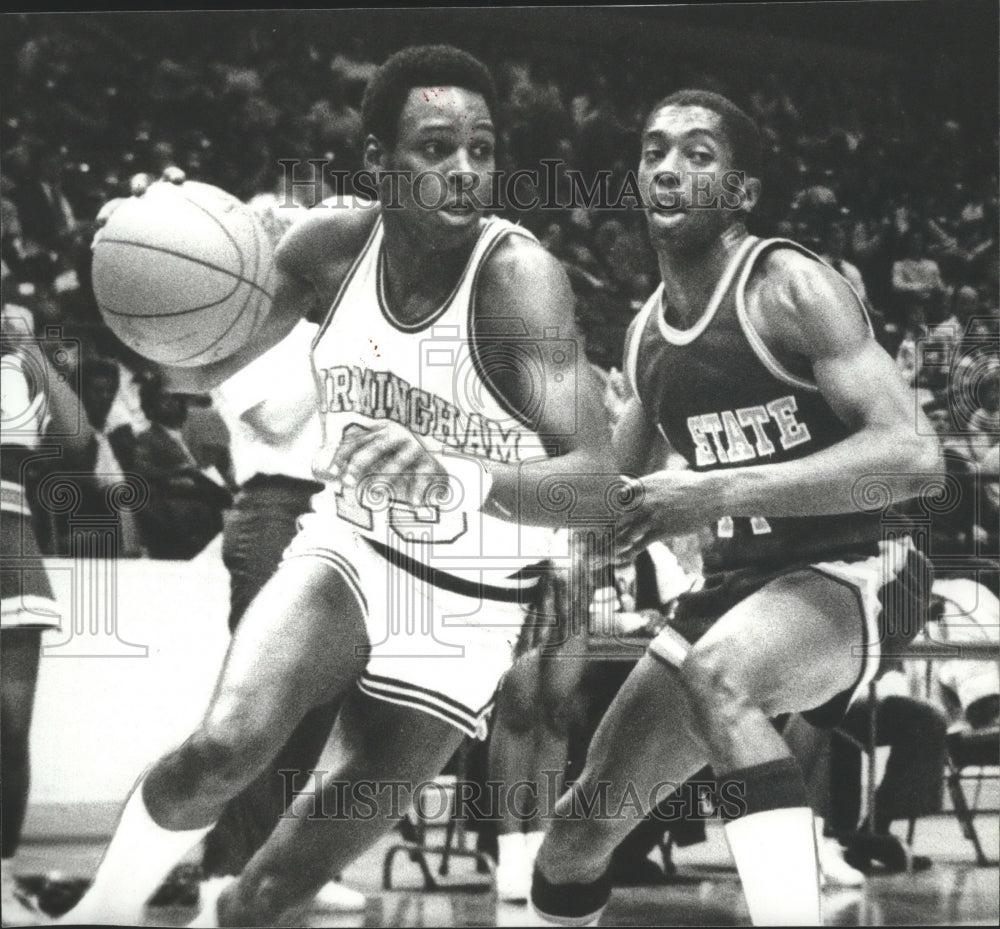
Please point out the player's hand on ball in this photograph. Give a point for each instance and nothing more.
(390, 454)
(104, 214)
(666, 503)
(138, 185)
(173, 175)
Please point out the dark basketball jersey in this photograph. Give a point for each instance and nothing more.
(722, 400)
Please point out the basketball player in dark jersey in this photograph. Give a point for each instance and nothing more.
(756, 362)
(387, 276)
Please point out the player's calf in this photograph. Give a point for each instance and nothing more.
(583, 834)
(568, 904)
(769, 828)
(190, 786)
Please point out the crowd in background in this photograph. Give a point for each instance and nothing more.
(896, 188)
(892, 179)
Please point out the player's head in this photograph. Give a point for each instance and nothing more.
(419, 67)
(700, 166)
(428, 113)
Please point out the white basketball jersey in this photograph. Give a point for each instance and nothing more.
(430, 378)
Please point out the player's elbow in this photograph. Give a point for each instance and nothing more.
(920, 460)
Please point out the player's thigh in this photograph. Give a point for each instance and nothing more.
(559, 697)
(378, 757)
(517, 706)
(298, 645)
(384, 740)
(792, 645)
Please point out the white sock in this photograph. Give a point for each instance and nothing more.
(834, 871)
(7, 871)
(775, 854)
(140, 856)
(510, 848)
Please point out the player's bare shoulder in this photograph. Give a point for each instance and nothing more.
(321, 247)
(521, 278)
(800, 304)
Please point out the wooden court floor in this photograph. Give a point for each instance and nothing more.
(953, 892)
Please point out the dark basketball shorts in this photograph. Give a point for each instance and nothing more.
(25, 589)
(891, 581)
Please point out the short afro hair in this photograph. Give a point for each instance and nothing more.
(419, 66)
(740, 129)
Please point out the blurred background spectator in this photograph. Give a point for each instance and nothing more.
(187, 495)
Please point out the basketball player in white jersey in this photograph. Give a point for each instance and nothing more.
(452, 385)
(756, 362)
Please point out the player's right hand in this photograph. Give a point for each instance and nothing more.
(395, 456)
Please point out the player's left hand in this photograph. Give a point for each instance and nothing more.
(396, 455)
(666, 503)
(138, 185)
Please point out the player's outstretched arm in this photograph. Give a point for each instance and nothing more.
(890, 437)
(524, 286)
(638, 445)
(890, 441)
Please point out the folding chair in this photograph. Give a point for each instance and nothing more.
(971, 748)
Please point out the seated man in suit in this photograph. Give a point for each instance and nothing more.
(185, 503)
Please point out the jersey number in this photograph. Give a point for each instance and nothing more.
(414, 524)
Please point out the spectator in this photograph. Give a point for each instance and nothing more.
(911, 786)
(353, 67)
(93, 459)
(811, 747)
(966, 610)
(834, 147)
(12, 244)
(114, 442)
(916, 280)
(915, 730)
(48, 223)
(186, 503)
(335, 126)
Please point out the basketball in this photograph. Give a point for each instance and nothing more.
(183, 274)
